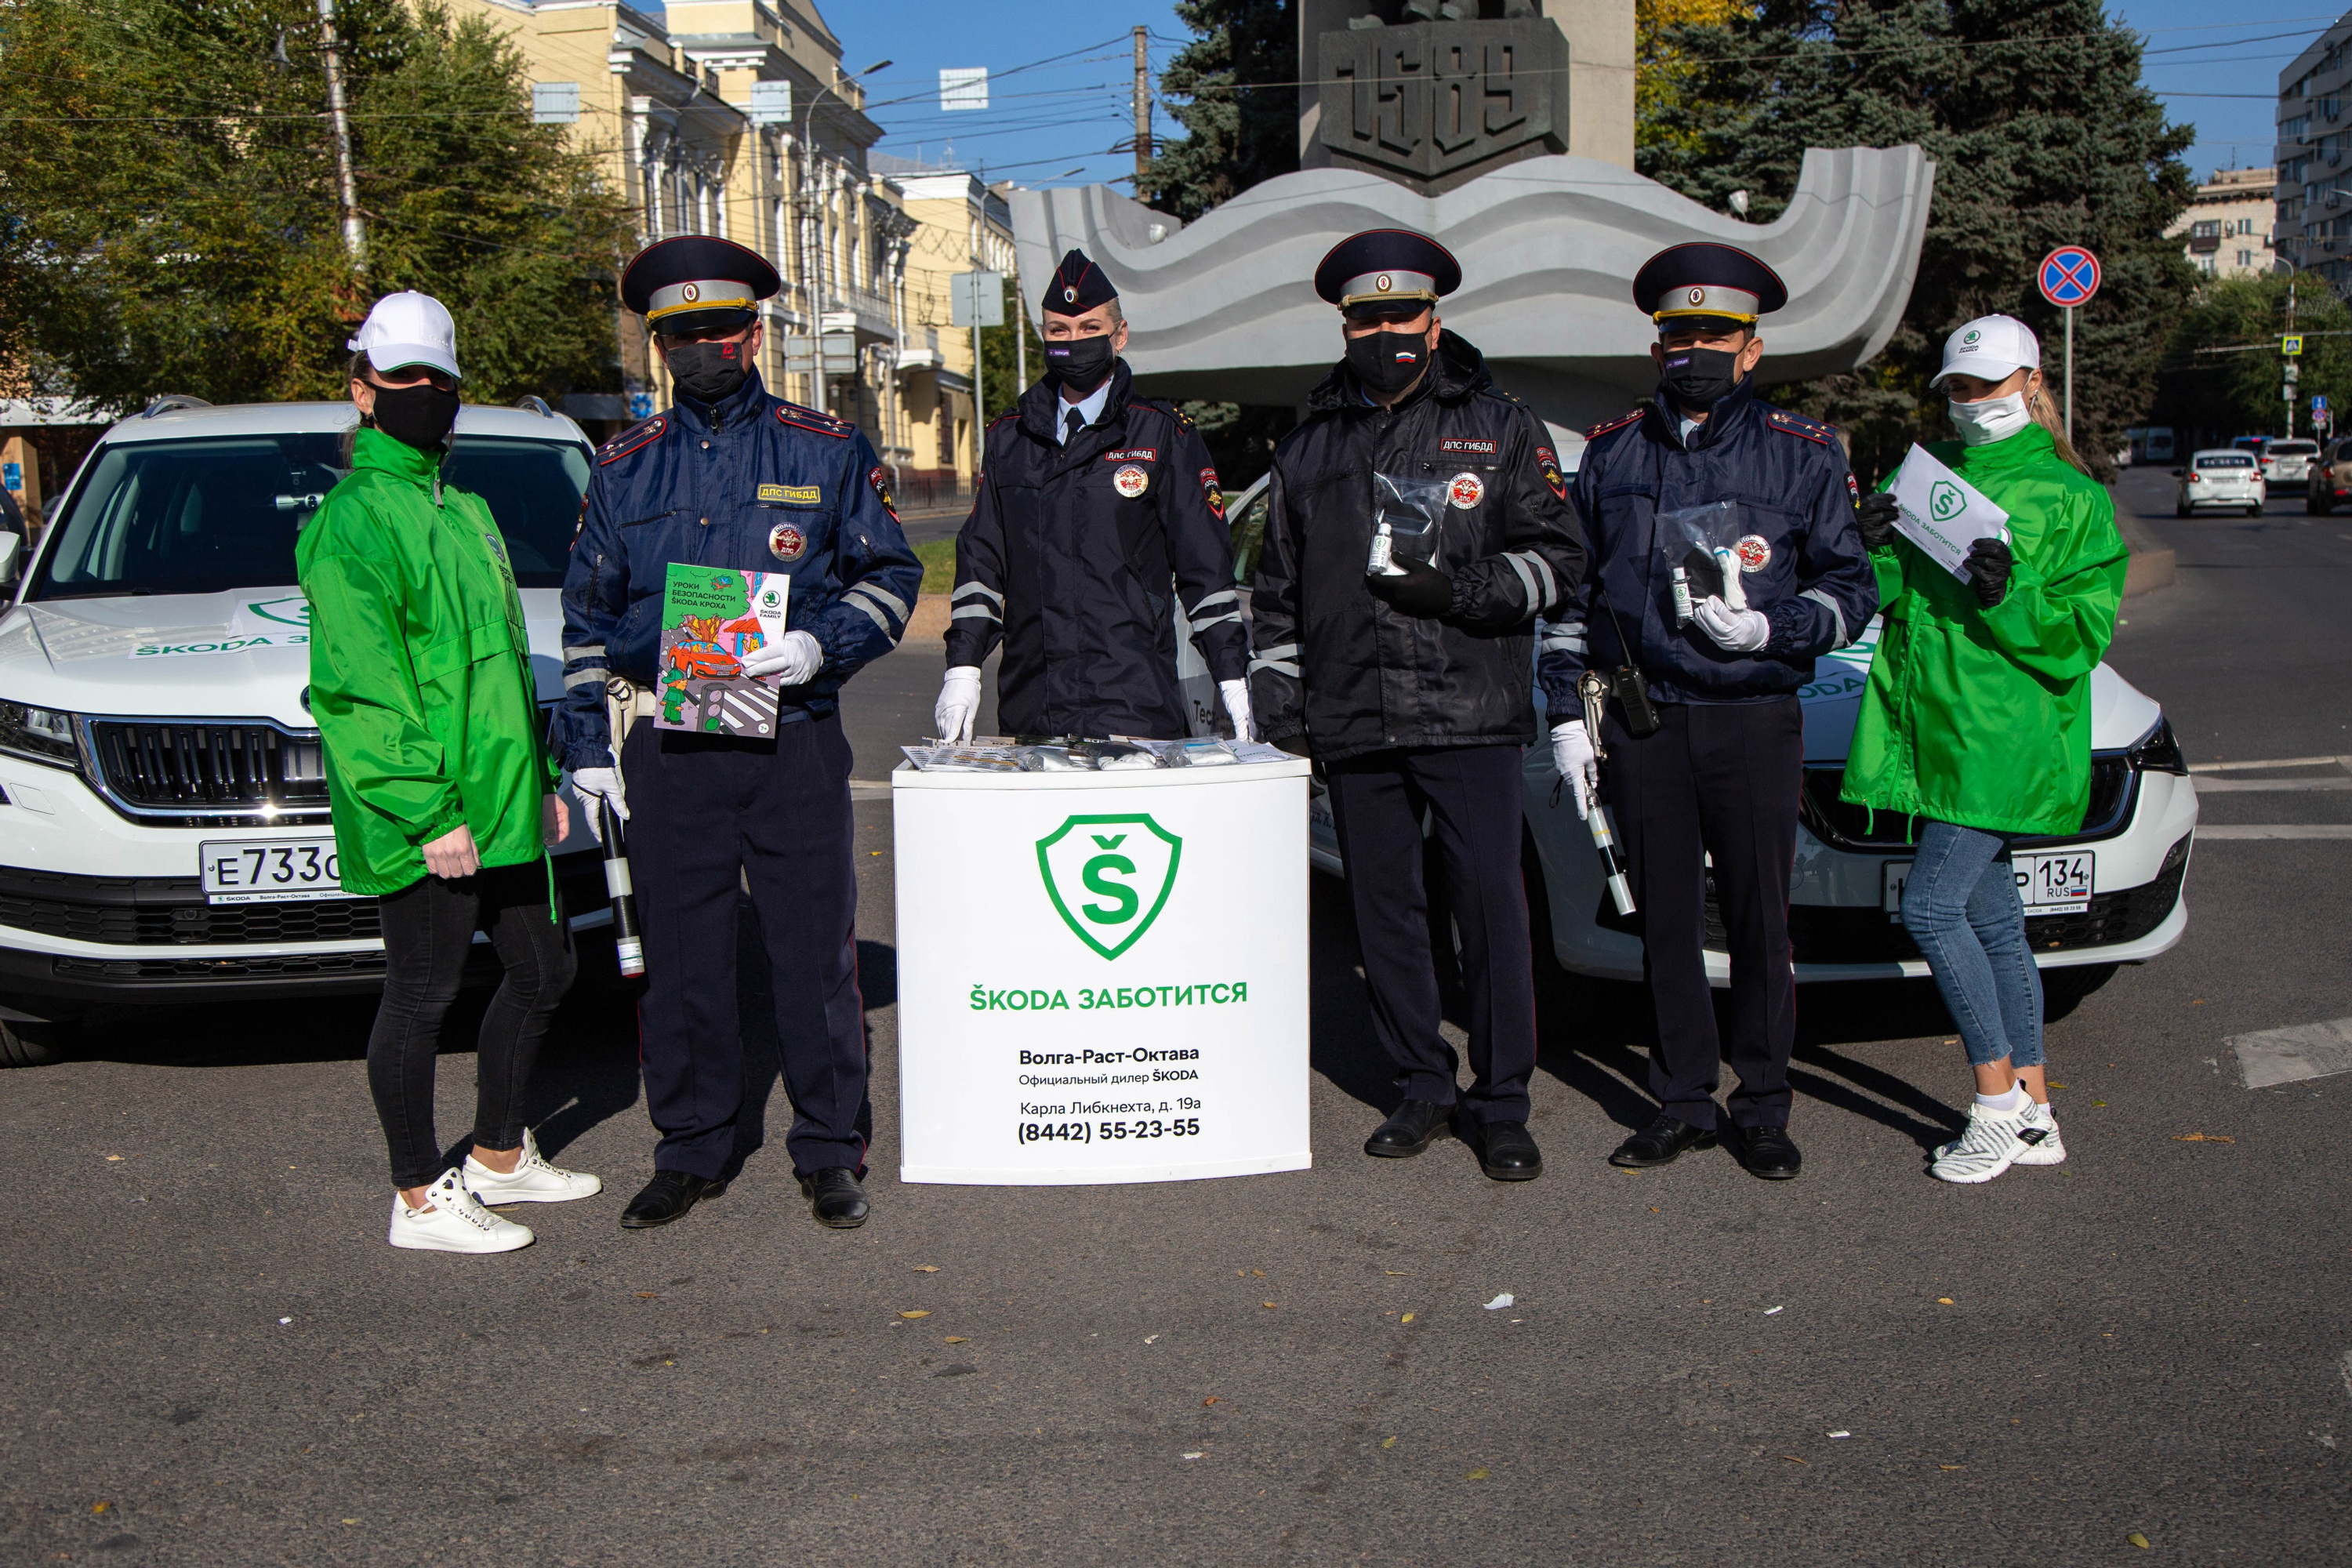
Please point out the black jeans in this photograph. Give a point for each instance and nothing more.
(428, 929)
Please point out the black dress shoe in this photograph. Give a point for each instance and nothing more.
(1768, 1153)
(668, 1197)
(1408, 1131)
(1660, 1143)
(835, 1198)
(1507, 1153)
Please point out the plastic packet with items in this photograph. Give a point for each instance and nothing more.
(1708, 551)
(1406, 512)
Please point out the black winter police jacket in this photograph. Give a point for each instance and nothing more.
(1068, 558)
(1341, 668)
(1803, 563)
(754, 483)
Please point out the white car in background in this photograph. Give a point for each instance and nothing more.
(2220, 477)
(164, 835)
(2109, 894)
(2287, 462)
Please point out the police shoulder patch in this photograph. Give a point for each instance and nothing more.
(1797, 425)
(811, 419)
(629, 440)
(1597, 431)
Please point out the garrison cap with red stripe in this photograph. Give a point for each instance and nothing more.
(1702, 284)
(694, 282)
(1078, 286)
(1386, 274)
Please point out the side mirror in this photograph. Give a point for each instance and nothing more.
(12, 556)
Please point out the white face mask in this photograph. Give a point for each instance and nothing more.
(1993, 419)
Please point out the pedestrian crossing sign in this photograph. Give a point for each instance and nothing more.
(2291, 344)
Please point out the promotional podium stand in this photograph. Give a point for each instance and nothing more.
(1102, 976)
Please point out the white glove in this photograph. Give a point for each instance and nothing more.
(1236, 696)
(1734, 631)
(1572, 755)
(795, 656)
(599, 787)
(1735, 592)
(958, 704)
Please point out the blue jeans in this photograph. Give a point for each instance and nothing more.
(1960, 905)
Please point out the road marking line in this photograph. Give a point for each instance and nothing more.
(2272, 1057)
(2250, 787)
(2273, 762)
(2274, 830)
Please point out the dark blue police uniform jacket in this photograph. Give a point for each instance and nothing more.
(1797, 498)
(755, 483)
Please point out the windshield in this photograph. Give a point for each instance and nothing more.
(2292, 448)
(2230, 460)
(210, 514)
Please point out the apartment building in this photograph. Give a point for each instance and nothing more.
(2315, 141)
(736, 118)
(959, 226)
(2226, 232)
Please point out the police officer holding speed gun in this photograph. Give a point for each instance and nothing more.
(1092, 502)
(733, 478)
(1418, 525)
(1726, 560)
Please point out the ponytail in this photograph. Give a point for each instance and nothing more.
(2046, 414)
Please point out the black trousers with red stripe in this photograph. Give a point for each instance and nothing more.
(1471, 794)
(708, 815)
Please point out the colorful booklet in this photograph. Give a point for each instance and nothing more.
(712, 619)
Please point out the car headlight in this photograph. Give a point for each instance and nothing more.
(38, 735)
(2157, 751)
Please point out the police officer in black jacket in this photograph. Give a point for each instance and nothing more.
(1091, 501)
(1410, 683)
(1773, 579)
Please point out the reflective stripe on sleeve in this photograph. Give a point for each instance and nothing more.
(969, 589)
(1836, 615)
(585, 677)
(883, 597)
(1536, 601)
(1211, 601)
(856, 599)
(585, 650)
(1543, 569)
(1566, 638)
(1199, 626)
(975, 611)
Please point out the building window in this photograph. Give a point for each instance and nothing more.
(2245, 258)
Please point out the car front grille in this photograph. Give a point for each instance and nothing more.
(169, 912)
(211, 771)
(292, 966)
(1842, 825)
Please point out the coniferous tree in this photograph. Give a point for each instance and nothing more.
(1233, 89)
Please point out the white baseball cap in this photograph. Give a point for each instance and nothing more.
(405, 329)
(1991, 348)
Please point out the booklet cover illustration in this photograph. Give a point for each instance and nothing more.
(712, 619)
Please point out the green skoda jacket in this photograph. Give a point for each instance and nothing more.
(420, 672)
(1977, 717)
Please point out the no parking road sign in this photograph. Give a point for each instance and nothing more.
(2068, 276)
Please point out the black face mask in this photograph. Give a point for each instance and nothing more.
(1080, 364)
(419, 417)
(1387, 363)
(709, 373)
(1695, 378)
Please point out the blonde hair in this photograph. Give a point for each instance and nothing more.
(2045, 409)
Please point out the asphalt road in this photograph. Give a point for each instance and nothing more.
(219, 1361)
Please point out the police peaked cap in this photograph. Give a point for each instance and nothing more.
(1387, 272)
(1078, 286)
(694, 282)
(1702, 284)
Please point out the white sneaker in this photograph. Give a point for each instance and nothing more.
(453, 1220)
(1988, 1147)
(532, 1181)
(2046, 1149)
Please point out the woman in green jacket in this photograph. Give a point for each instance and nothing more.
(443, 795)
(1976, 720)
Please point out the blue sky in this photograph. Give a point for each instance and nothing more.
(1048, 115)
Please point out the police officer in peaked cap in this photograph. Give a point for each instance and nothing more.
(734, 476)
(1725, 558)
(1400, 662)
(1097, 509)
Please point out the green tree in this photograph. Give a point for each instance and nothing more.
(1001, 384)
(1233, 89)
(2042, 136)
(170, 217)
(2211, 397)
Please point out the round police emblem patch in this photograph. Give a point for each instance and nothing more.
(1753, 552)
(1384, 283)
(786, 542)
(1068, 293)
(1696, 296)
(1466, 490)
(689, 293)
(1129, 481)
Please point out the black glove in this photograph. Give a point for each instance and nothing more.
(1878, 514)
(1990, 562)
(1422, 591)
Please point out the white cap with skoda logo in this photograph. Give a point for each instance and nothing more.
(406, 329)
(1991, 348)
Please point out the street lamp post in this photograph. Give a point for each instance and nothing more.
(814, 278)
